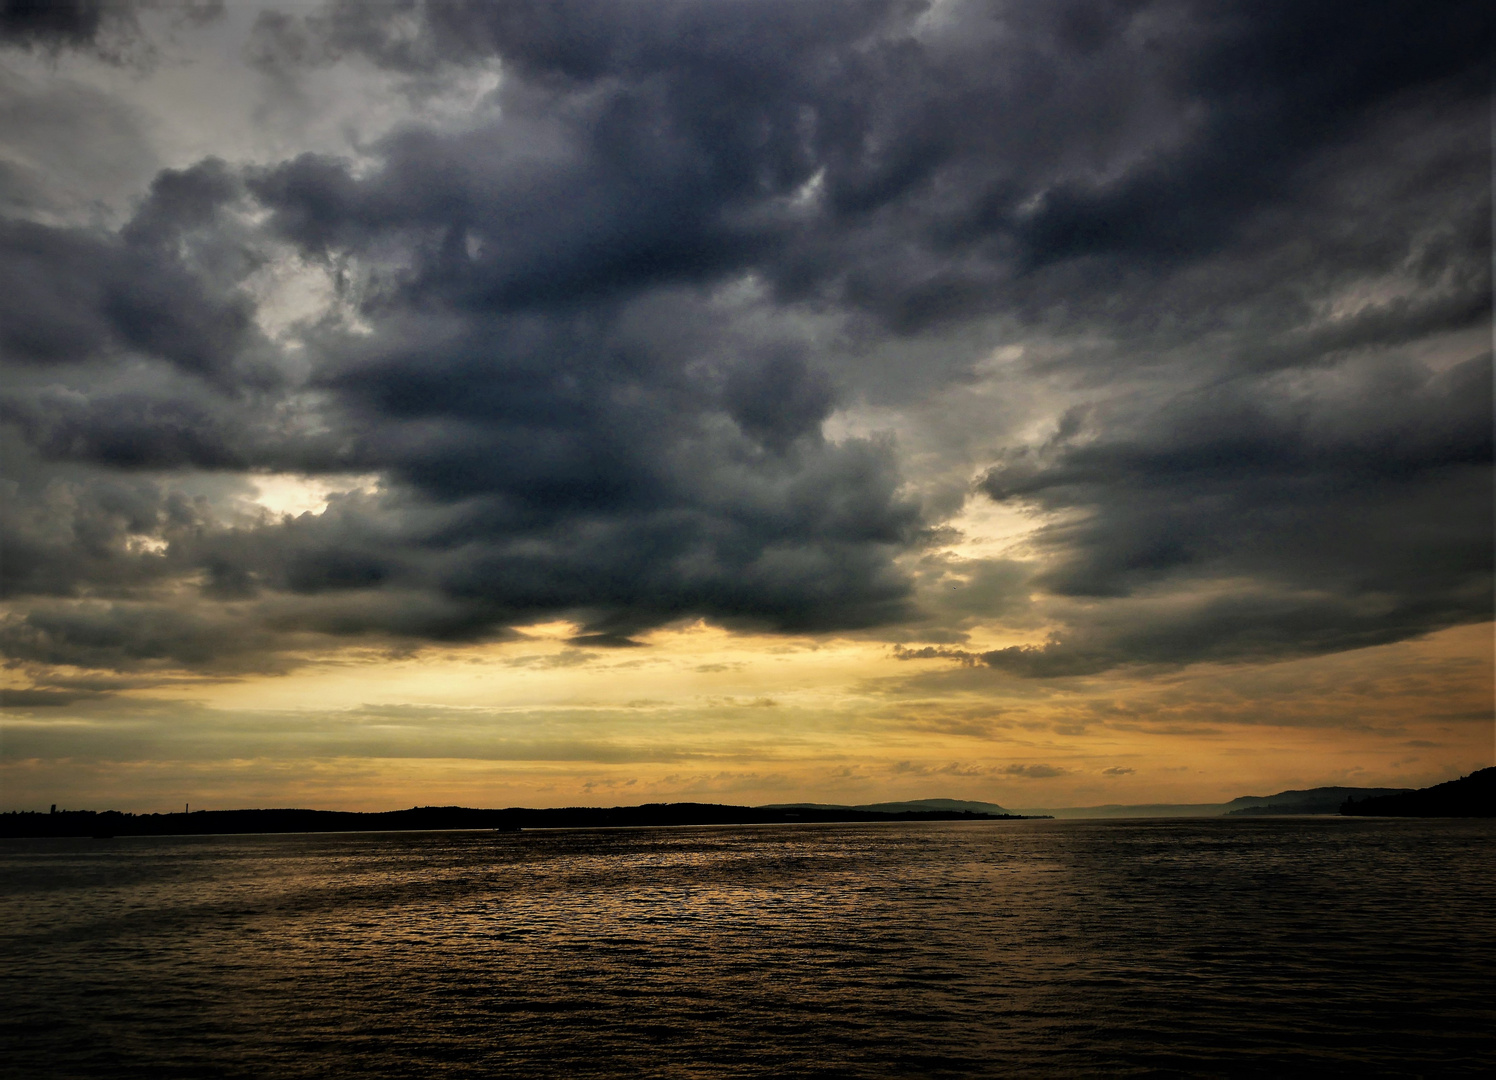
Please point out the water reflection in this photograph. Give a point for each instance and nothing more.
(862, 950)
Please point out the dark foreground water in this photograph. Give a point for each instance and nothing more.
(1268, 947)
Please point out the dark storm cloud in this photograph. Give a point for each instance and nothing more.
(131, 637)
(1252, 626)
(1280, 81)
(72, 295)
(110, 29)
(1219, 475)
(127, 430)
(52, 22)
(1003, 136)
(80, 538)
(1361, 514)
(576, 339)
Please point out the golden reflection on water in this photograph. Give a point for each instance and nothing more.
(862, 950)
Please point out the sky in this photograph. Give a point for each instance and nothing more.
(1046, 403)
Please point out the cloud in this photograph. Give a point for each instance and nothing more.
(36, 699)
(63, 23)
(604, 343)
(80, 296)
(70, 148)
(136, 637)
(1275, 99)
(604, 641)
(1033, 772)
(108, 29)
(1117, 770)
(1346, 515)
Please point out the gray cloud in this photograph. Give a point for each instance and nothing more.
(1034, 772)
(74, 295)
(1359, 515)
(131, 637)
(69, 150)
(108, 29)
(56, 23)
(591, 346)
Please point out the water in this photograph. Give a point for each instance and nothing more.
(1345, 947)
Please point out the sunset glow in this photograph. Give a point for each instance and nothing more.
(816, 402)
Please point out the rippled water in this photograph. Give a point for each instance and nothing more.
(1358, 947)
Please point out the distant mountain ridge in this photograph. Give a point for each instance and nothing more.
(1320, 800)
(951, 806)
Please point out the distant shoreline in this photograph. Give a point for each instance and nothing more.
(1469, 796)
(112, 823)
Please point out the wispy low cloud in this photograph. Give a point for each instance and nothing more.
(1117, 770)
(937, 652)
(136, 730)
(969, 769)
(39, 699)
(1033, 772)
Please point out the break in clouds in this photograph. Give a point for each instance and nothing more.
(631, 314)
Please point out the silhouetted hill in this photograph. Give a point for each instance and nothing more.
(205, 822)
(957, 805)
(1469, 796)
(1320, 800)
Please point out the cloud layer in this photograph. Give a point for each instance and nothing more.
(603, 343)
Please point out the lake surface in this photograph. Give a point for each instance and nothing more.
(1340, 946)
